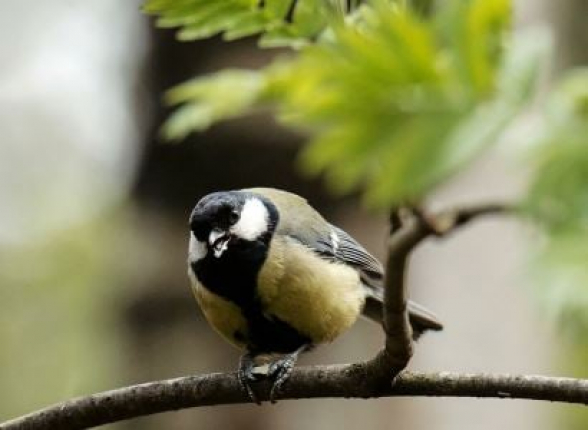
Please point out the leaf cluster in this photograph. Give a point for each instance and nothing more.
(280, 22)
(387, 94)
(399, 107)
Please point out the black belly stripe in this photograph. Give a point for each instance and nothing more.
(270, 334)
(234, 277)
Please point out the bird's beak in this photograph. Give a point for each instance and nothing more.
(218, 241)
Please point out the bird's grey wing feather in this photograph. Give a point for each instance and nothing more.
(351, 252)
(340, 246)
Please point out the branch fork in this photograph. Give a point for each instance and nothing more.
(408, 228)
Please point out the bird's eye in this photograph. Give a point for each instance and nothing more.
(233, 217)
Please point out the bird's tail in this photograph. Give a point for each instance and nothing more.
(421, 319)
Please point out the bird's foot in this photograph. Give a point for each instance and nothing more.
(281, 369)
(247, 375)
(278, 370)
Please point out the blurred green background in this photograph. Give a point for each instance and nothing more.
(93, 231)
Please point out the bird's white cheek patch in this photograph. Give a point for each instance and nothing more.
(253, 221)
(196, 250)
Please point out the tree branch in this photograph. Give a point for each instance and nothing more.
(408, 228)
(405, 234)
(312, 382)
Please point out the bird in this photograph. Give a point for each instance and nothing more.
(276, 279)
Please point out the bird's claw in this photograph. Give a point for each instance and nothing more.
(246, 376)
(280, 370)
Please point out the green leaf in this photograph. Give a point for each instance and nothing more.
(280, 22)
(525, 58)
(211, 99)
(515, 84)
(558, 197)
(248, 24)
(475, 30)
(213, 19)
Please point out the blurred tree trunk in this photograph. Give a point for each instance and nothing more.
(570, 20)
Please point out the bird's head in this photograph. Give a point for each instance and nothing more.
(222, 219)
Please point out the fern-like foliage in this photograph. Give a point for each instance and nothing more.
(392, 113)
(396, 103)
(280, 22)
(210, 99)
(559, 195)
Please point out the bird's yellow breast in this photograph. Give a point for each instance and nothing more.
(319, 298)
(223, 315)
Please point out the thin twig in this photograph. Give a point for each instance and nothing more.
(289, 18)
(405, 234)
(408, 228)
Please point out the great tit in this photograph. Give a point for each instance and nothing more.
(274, 278)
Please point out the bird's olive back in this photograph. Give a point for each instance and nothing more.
(297, 218)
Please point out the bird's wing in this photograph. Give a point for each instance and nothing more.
(340, 246)
(335, 244)
(344, 248)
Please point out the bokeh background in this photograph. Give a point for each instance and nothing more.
(93, 232)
